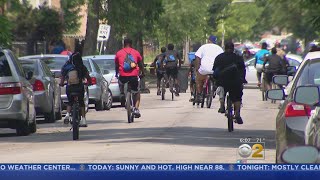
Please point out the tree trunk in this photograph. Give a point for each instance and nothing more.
(113, 44)
(90, 45)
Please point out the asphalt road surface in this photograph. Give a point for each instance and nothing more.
(168, 132)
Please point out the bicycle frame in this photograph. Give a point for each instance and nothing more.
(130, 102)
(75, 114)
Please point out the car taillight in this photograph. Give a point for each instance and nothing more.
(38, 86)
(114, 80)
(93, 80)
(10, 88)
(294, 110)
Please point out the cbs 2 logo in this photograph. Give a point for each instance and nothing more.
(245, 151)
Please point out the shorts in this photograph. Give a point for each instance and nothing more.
(78, 88)
(200, 79)
(172, 71)
(133, 83)
(160, 74)
(268, 77)
(235, 92)
(259, 68)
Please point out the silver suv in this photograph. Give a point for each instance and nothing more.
(17, 109)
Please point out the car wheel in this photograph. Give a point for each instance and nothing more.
(59, 113)
(108, 104)
(50, 117)
(33, 125)
(99, 105)
(23, 128)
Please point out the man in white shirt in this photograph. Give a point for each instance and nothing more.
(205, 57)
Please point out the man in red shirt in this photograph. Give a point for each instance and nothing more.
(130, 74)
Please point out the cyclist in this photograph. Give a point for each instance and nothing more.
(230, 72)
(158, 63)
(192, 79)
(75, 72)
(276, 66)
(171, 62)
(130, 74)
(259, 60)
(205, 57)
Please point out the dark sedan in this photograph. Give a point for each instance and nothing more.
(293, 117)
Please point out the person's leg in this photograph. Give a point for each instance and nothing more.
(221, 93)
(159, 77)
(236, 94)
(200, 81)
(259, 74)
(83, 122)
(176, 81)
(69, 106)
(134, 85)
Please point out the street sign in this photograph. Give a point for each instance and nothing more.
(103, 32)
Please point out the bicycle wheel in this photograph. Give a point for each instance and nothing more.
(209, 94)
(75, 121)
(163, 88)
(230, 114)
(171, 84)
(128, 107)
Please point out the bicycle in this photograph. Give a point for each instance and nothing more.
(163, 84)
(130, 103)
(172, 86)
(75, 114)
(209, 91)
(263, 87)
(229, 113)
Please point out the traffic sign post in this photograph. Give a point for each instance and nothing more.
(103, 32)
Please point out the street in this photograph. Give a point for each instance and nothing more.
(168, 131)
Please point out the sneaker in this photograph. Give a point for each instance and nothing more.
(66, 119)
(136, 113)
(238, 120)
(222, 110)
(83, 122)
(191, 99)
(176, 93)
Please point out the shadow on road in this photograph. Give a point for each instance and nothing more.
(189, 136)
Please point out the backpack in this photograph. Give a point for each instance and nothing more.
(129, 63)
(170, 57)
(72, 74)
(159, 62)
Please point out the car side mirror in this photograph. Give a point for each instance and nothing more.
(300, 154)
(280, 80)
(291, 70)
(308, 95)
(29, 75)
(276, 94)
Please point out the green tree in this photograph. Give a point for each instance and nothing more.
(71, 15)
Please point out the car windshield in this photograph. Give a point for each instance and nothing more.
(30, 66)
(4, 66)
(310, 74)
(55, 63)
(105, 64)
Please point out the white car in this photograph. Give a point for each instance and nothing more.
(251, 75)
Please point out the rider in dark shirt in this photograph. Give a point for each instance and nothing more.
(158, 64)
(230, 72)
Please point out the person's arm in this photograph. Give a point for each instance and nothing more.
(141, 65)
(255, 60)
(242, 68)
(265, 62)
(87, 76)
(116, 60)
(197, 63)
(62, 78)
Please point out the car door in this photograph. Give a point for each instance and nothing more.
(100, 78)
(50, 83)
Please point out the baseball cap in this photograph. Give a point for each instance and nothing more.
(213, 39)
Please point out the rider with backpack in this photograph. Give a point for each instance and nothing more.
(75, 72)
(129, 64)
(171, 62)
(158, 63)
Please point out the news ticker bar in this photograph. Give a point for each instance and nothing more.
(159, 167)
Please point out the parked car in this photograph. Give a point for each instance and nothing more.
(55, 63)
(17, 109)
(99, 93)
(107, 65)
(47, 93)
(293, 117)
